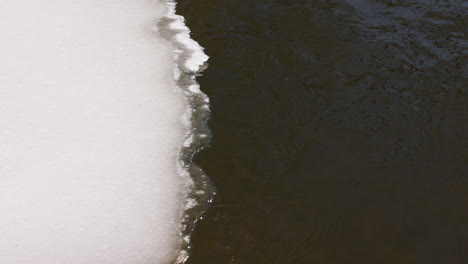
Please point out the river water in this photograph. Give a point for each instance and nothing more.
(338, 131)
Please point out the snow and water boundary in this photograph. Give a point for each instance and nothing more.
(91, 129)
(190, 61)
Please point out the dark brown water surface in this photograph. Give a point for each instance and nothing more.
(339, 131)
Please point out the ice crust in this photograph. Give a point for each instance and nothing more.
(90, 132)
(198, 56)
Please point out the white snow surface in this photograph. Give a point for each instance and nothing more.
(89, 134)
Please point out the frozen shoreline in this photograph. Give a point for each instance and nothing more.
(90, 135)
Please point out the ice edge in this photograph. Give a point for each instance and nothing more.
(190, 60)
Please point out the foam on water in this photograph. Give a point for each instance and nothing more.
(91, 132)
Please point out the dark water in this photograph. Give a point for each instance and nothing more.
(339, 131)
